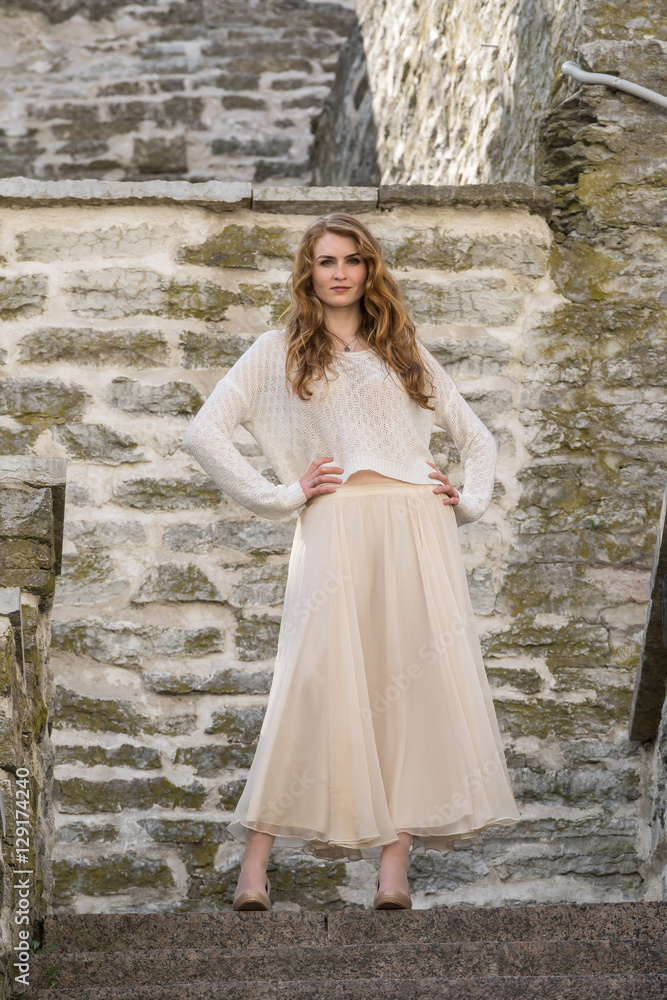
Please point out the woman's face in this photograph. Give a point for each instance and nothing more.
(339, 272)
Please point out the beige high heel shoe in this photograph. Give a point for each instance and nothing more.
(390, 900)
(250, 899)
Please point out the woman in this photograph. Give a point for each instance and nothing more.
(380, 734)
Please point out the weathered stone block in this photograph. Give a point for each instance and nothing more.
(161, 155)
(571, 642)
(435, 872)
(230, 793)
(117, 292)
(127, 755)
(204, 350)
(475, 356)
(9, 745)
(98, 443)
(26, 513)
(78, 711)
(211, 759)
(17, 440)
(96, 348)
(260, 585)
(251, 537)
(83, 833)
(51, 400)
(185, 831)
(27, 564)
(109, 875)
(112, 241)
(227, 681)
(577, 787)
(259, 247)
(127, 644)
(545, 717)
(75, 795)
(22, 296)
(87, 578)
(104, 534)
(169, 494)
(240, 725)
(436, 249)
(528, 681)
(173, 398)
(483, 301)
(176, 582)
(257, 637)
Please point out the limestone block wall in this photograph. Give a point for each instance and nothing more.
(192, 89)
(122, 307)
(32, 495)
(457, 89)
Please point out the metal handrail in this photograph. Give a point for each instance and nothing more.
(575, 70)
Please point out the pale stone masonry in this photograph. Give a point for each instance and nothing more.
(32, 502)
(186, 89)
(122, 308)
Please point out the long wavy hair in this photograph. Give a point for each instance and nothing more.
(385, 324)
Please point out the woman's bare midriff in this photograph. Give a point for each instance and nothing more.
(364, 476)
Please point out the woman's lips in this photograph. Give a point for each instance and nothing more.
(340, 288)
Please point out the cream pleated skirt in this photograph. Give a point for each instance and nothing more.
(380, 717)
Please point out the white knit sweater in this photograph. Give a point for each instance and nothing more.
(365, 420)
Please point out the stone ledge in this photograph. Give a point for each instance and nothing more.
(538, 199)
(220, 197)
(314, 200)
(215, 195)
(20, 470)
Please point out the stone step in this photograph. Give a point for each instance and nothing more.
(568, 987)
(415, 960)
(228, 929)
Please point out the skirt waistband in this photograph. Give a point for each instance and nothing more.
(363, 489)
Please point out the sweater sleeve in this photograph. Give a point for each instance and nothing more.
(473, 439)
(209, 441)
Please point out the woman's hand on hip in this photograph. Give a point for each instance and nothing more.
(452, 495)
(314, 481)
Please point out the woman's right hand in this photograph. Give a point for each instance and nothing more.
(314, 480)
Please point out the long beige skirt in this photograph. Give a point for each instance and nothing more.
(380, 717)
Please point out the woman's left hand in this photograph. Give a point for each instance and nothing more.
(452, 495)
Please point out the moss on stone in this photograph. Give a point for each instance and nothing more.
(205, 350)
(240, 725)
(128, 348)
(209, 760)
(176, 582)
(528, 681)
(169, 494)
(127, 755)
(108, 876)
(257, 637)
(84, 833)
(543, 718)
(76, 795)
(243, 246)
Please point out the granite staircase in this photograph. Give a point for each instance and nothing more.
(553, 952)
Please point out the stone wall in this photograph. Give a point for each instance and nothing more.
(457, 89)
(123, 305)
(601, 402)
(192, 89)
(32, 500)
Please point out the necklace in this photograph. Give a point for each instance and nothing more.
(347, 348)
